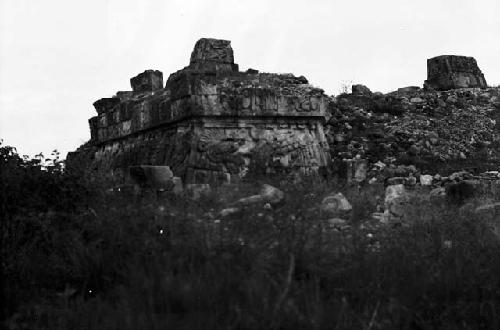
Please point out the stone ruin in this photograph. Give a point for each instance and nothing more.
(451, 72)
(210, 123)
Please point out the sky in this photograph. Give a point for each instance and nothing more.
(59, 56)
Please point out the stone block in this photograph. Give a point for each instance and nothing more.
(361, 90)
(148, 81)
(208, 50)
(451, 72)
(105, 104)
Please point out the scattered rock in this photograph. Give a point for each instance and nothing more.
(395, 200)
(267, 195)
(198, 190)
(229, 211)
(251, 200)
(397, 180)
(426, 180)
(437, 194)
(335, 204)
(271, 194)
(416, 100)
(337, 223)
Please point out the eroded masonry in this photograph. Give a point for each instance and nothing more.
(447, 72)
(210, 123)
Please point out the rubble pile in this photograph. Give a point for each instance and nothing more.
(415, 126)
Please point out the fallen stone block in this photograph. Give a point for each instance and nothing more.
(335, 204)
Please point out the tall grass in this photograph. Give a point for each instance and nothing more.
(108, 260)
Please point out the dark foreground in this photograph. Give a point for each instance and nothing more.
(76, 256)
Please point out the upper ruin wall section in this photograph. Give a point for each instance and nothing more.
(211, 86)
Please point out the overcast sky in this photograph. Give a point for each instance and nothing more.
(58, 56)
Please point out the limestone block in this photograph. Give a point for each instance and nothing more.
(335, 204)
(105, 104)
(451, 72)
(148, 81)
(212, 50)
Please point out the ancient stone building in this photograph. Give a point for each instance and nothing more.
(210, 123)
(450, 72)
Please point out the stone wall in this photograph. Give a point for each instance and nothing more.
(211, 123)
(214, 150)
(451, 72)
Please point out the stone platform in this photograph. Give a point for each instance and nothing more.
(211, 123)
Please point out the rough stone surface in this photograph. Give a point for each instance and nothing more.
(268, 194)
(361, 90)
(450, 72)
(159, 177)
(395, 198)
(148, 81)
(210, 123)
(335, 204)
(426, 180)
(271, 194)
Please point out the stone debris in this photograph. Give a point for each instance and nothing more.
(338, 223)
(426, 180)
(229, 211)
(271, 195)
(335, 204)
(395, 202)
(267, 195)
(434, 130)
